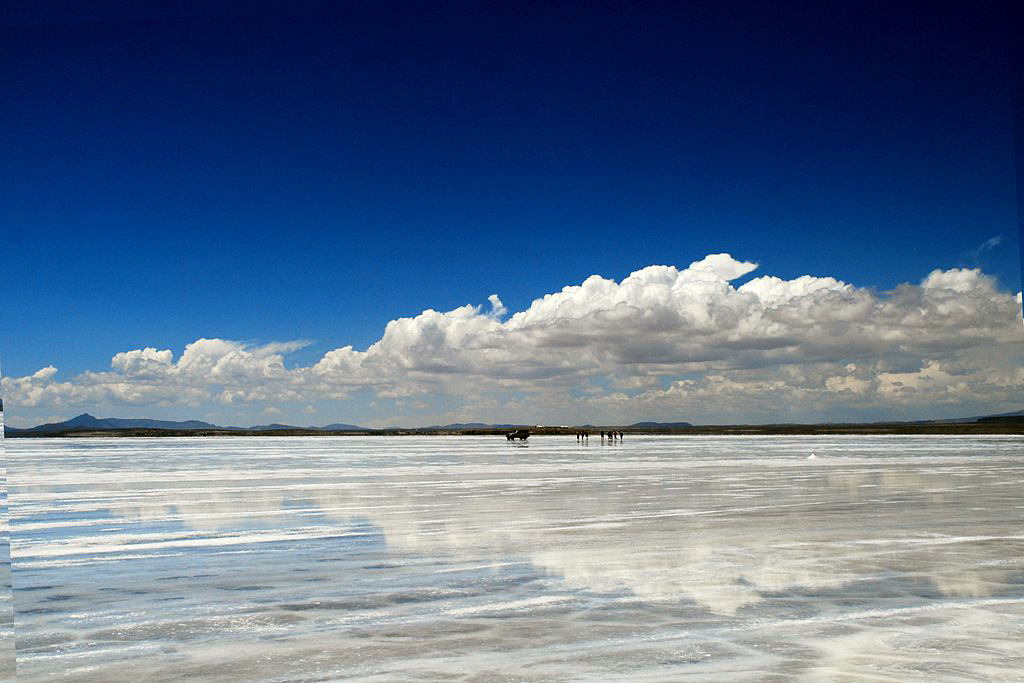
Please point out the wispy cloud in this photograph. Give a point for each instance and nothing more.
(986, 246)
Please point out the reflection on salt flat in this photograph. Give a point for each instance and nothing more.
(644, 560)
(660, 542)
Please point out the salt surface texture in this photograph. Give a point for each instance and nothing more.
(7, 672)
(655, 559)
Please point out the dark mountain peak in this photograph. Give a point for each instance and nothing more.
(83, 420)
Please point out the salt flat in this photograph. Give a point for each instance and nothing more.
(439, 558)
(7, 669)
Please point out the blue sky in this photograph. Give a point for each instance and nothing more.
(278, 175)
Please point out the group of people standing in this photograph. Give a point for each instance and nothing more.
(583, 435)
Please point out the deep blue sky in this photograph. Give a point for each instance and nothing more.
(282, 175)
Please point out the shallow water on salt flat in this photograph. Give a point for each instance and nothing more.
(437, 558)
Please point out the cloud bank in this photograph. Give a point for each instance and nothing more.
(663, 342)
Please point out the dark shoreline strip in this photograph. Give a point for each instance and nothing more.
(990, 426)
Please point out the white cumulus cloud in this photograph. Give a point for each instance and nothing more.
(663, 341)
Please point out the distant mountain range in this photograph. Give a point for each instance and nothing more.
(333, 427)
(342, 427)
(87, 422)
(468, 425)
(659, 425)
